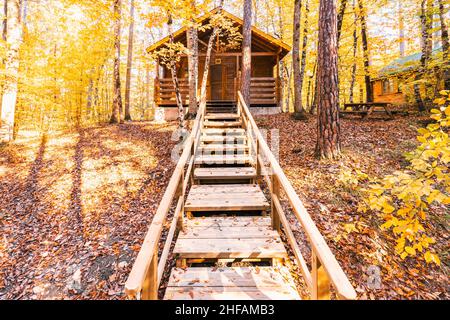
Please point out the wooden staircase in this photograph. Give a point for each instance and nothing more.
(225, 233)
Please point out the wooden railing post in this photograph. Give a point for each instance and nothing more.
(150, 285)
(157, 91)
(180, 194)
(276, 224)
(320, 280)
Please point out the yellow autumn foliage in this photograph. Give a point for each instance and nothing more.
(404, 198)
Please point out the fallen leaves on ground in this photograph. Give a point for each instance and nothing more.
(375, 147)
(75, 208)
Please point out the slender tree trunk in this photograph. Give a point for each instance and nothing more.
(192, 41)
(340, 18)
(255, 10)
(314, 100)
(304, 45)
(355, 51)
(117, 101)
(426, 18)
(5, 20)
(445, 45)
(14, 36)
(4, 35)
(176, 84)
(365, 44)
(298, 103)
(247, 52)
(328, 127)
(401, 24)
(209, 48)
(147, 86)
(283, 74)
(129, 63)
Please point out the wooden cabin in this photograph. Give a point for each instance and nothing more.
(394, 83)
(225, 71)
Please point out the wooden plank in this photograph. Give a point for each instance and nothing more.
(223, 159)
(222, 149)
(222, 116)
(215, 232)
(225, 173)
(218, 124)
(205, 222)
(217, 204)
(231, 277)
(230, 293)
(211, 131)
(263, 248)
(228, 139)
(225, 188)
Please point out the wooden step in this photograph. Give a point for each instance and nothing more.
(223, 159)
(246, 283)
(223, 132)
(223, 139)
(216, 149)
(234, 248)
(222, 124)
(225, 173)
(222, 116)
(233, 197)
(221, 222)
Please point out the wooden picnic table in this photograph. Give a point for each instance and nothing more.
(367, 108)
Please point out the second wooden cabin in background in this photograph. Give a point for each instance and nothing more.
(224, 76)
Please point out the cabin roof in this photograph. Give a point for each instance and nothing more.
(405, 64)
(271, 40)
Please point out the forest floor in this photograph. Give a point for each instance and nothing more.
(75, 207)
(376, 148)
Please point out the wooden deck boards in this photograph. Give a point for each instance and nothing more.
(236, 248)
(226, 198)
(223, 141)
(225, 173)
(249, 283)
(221, 159)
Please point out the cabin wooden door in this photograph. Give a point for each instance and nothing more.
(216, 82)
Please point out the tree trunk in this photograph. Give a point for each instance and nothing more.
(147, 86)
(314, 99)
(247, 52)
(445, 45)
(426, 18)
(298, 103)
(176, 84)
(5, 20)
(364, 38)
(355, 51)
(340, 18)
(304, 45)
(117, 100)
(401, 25)
(192, 41)
(328, 135)
(129, 64)
(14, 36)
(209, 48)
(283, 73)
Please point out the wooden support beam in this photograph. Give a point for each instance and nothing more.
(320, 281)
(150, 286)
(275, 194)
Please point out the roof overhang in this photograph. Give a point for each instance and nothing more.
(283, 48)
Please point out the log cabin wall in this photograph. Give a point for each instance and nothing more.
(224, 76)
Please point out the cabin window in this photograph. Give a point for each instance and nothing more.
(388, 86)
